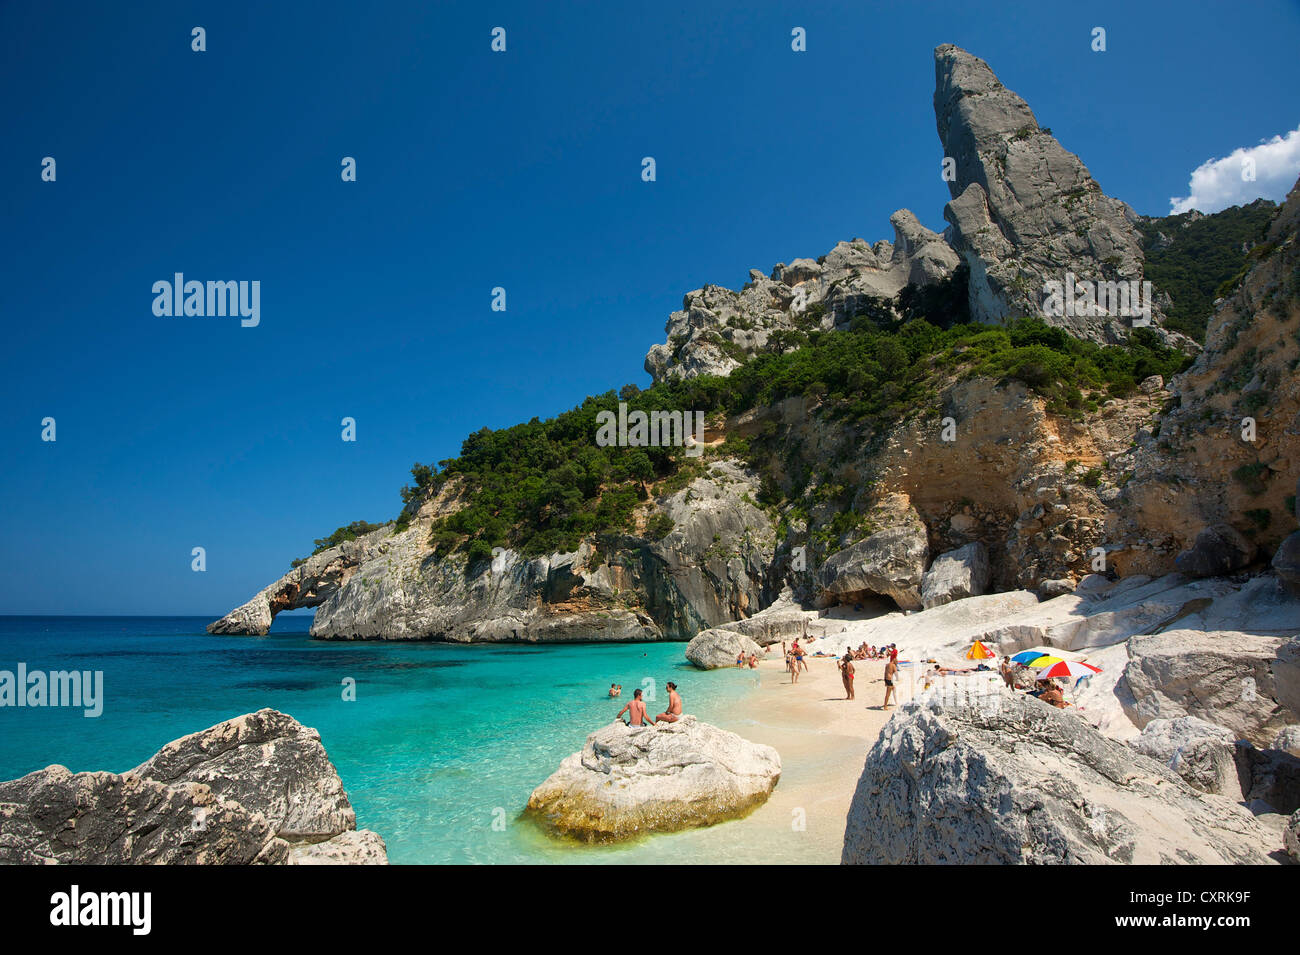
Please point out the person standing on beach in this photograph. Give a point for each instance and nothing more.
(792, 664)
(1007, 677)
(891, 671)
(635, 710)
(674, 711)
(846, 673)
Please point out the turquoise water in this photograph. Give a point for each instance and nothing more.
(440, 742)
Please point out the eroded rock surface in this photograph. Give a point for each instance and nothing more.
(631, 781)
(1025, 783)
(257, 789)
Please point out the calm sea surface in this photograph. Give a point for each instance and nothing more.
(440, 741)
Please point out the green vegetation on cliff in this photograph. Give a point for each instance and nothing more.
(544, 485)
(1196, 259)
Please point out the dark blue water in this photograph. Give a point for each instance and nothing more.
(440, 740)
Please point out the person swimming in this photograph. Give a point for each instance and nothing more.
(615, 689)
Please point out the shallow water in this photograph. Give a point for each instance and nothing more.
(441, 741)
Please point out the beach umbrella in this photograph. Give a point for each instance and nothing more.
(1043, 661)
(979, 651)
(1027, 656)
(1068, 670)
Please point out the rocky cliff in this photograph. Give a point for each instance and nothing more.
(709, 569)
(718, 329)
(1024, 210)
(967, 481)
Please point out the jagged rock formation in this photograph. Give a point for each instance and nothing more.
(1024, 211)
(710, 569)
(717, 328)
(258, 789)
(632, 781)
(310, 584)
(1016, 781)
(1139, 481)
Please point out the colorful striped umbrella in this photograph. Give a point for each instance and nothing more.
(1067, 669)
(1027, 656)
(1044, 661)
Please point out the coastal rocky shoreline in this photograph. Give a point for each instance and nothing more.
(1155, 532)
(258, 789)
(1024, 498)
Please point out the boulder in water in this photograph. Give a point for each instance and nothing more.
(630, 781)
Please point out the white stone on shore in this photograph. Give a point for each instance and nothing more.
(631, 781)
(1022, 782)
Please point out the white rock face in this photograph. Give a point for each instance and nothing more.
(1222, 676)
(1022, 206)
(358, 847)
(708, 570)
(711, 649)
(627, 782)
(1200, 752)
(1026, 783)
(959, 573)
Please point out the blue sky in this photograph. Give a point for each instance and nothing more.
(475, 170)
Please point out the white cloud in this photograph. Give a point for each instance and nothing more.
(1219, 183)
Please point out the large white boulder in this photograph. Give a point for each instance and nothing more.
(711, 649)
(956, 574)
(1222, 676)
(630, 781)
(1016, 781)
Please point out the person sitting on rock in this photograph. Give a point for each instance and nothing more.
(635, 710)
(674, 711)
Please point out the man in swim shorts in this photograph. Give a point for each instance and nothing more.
(891, 671)
(635, 710)
(674, 711)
